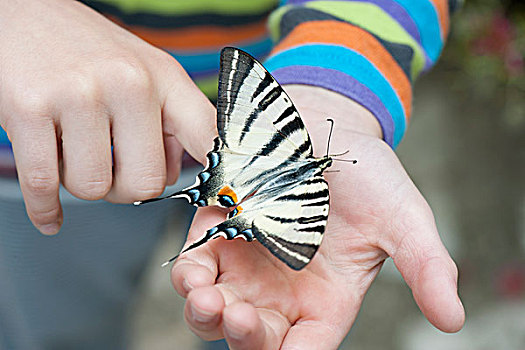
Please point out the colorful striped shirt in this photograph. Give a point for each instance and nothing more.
(368, 50)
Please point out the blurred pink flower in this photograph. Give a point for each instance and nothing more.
(499, 39)
(510, 280)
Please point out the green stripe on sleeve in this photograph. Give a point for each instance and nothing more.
(274, 22)
(365, 15)
(375, 20)
(183, 7)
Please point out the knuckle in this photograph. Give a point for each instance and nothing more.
(31, 103)
(148, 186)
(167, 61)
(131, 74)
(80, 88)
(91, 189)
(416, 216)
(45, 216)
(41, 181)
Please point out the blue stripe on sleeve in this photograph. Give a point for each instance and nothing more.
(427, 21)
(348, 62)
(4, 141)
(203, 62)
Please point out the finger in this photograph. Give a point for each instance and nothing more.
(187, 113)
(246, 327)
(86, 152)
(203, 312)
(197, 267)
(35, 150)
(188, 274)
(314, 335)
(174, 153)
(139, 158)
(427, 268)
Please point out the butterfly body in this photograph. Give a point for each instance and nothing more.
(262, 167)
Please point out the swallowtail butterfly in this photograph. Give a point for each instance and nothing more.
(261, 167)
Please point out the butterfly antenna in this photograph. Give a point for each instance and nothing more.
(353, 161)
(329, 135)
(340, 154)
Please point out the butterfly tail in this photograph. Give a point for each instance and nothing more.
(210, 234)
(192, 246)
(179, 194)
(229, 229)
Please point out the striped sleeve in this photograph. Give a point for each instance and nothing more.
(195, 31)
(370, 50)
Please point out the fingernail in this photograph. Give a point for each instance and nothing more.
(454, 285)
(202, 316)
(49, 229)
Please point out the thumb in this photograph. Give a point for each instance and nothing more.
(427, 268)
(186, 112)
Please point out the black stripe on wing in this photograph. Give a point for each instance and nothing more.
(295, 255)
(267, 81)
(236, 67)
(291, 224)
(300, 220)
(231, 77)
(263, 104)
(303, 197)
(278, 138)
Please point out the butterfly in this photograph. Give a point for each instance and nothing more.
(261, 167)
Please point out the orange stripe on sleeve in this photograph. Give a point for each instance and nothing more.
(359, 40)
(198, 37)
(441, 7)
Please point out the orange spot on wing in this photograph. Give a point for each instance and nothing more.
(227, 191)
(239, 210)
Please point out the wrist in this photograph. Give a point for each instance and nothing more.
(316, 104)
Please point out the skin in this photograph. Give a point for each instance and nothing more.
(73, 84)
(239, 291)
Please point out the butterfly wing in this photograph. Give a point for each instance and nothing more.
(262, 166)
(293, 223)
(260, 134)
(254, 114)
(288, 221)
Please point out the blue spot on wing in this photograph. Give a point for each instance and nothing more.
(204, 176)
(194, 194)
(214, 160)
(201, 203)
(248, 234)
(233, 213)
(226, 201)
(231, 232)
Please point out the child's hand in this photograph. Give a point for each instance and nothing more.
(70, 77)
(240, 291)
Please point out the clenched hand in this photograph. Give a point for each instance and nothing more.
(73, 84)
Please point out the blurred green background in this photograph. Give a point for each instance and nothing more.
(465, 150)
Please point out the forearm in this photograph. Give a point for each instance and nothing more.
(370, 52)
(316, 104)
(351, 115)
